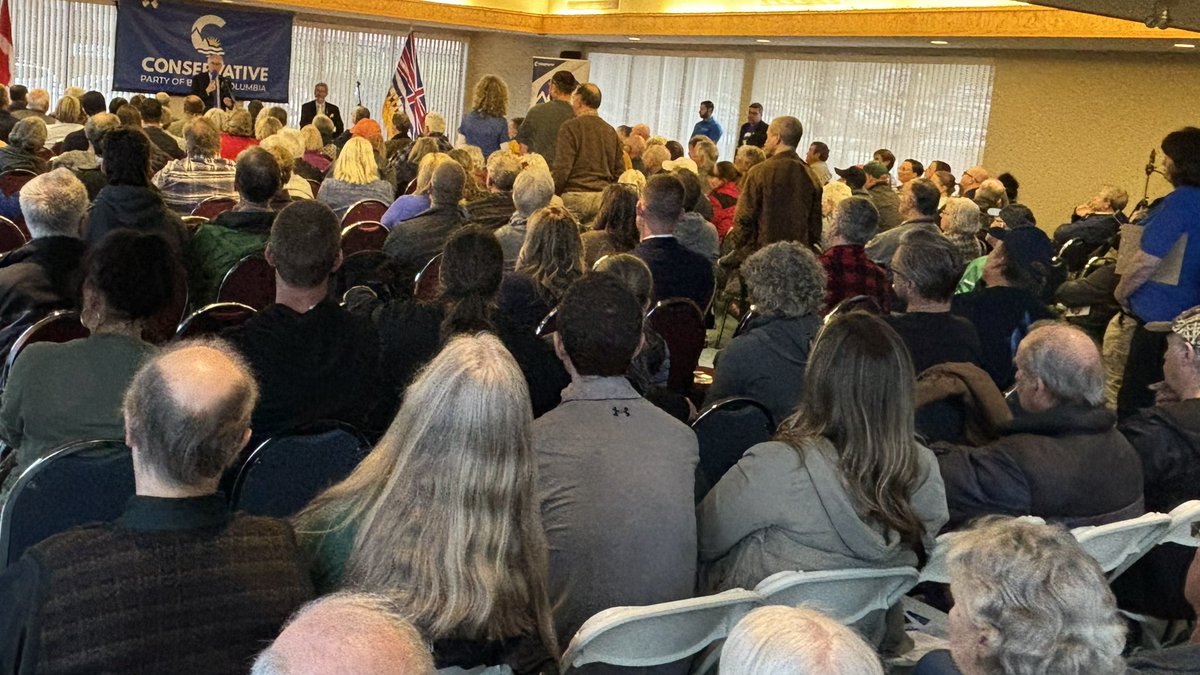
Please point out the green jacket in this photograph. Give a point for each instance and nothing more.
(217, 246)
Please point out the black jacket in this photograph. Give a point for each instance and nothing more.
(1167, 439)
(36, 279)
(413, 242)
(1068, 465)
(308, 112)
(163, 141)
(678, 272)
(135, 207)
(200, 83)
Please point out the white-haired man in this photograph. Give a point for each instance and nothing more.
(44, 275)
(532, 190)
(346, 632)
(1063, 460)
(38, 106)
(795, 641)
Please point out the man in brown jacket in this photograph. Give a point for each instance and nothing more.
(781, 198)
(588, 156)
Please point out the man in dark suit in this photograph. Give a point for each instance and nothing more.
(206, 85)
(678, 272)
(319, 106)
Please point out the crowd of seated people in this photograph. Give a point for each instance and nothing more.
(530, 463)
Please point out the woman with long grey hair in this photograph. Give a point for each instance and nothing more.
(442, 516)
(843, 485)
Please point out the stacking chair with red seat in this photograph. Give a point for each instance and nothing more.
(366, 210)
(251, 282)
(680, 322)
(365, 235)
(59, 326)
(428, 282)
(11, 236)
(214, 206)
(214, 318)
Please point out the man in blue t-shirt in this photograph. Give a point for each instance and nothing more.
(707, 126)
(1163, 278)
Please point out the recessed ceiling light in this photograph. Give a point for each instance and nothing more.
(1184, 45)
(635, 39)
(938, 42)
(764, 40)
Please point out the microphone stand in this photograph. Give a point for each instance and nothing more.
(358, 91)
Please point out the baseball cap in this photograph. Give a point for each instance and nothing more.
(1029, 247)
(875, 169)
(1015, 217)
(681, 163)
(1186, 326)
(854, 176)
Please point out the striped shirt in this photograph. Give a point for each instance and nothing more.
(187, 182)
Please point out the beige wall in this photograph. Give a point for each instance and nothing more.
(1064, 124)
(511, 58)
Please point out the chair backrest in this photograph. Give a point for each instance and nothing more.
(367, 209)
(658, 634)
(726, 429)
(83, 482)
(843, 595)
(58, 326)
(161, 327)
(193, 223)
(858, 302)
(681, 324)
(13, 181)
(1185, 524)
(284, 473)
(214, 206)
(548, 325)
(744, 323)
(427, 281)
(366, 235)
(314, 185)
(1118, 545)
(1075, 254)
(214, 318)
(251, 282)
(11, 236)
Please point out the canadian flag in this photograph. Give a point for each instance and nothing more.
(6, 45)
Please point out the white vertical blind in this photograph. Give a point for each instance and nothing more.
(63, 43)
(925, 111)
(665, 92)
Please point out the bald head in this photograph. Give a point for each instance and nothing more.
(187, 414)
(1061, 364)
(347, 633)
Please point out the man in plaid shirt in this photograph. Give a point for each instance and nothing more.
(202, 174)
(848, 269)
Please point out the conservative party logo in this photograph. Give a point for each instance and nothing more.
(209, 45)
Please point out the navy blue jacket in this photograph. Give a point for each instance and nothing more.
(678, 272)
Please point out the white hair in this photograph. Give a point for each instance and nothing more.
(534, 161)
(780, 640)
(435, 123)
(963, 214)
(350, 622)
(832, 193)
(633, 177)
(532, 190)
(54, 204)
(1066, 360)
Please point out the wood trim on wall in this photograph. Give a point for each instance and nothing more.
(1000, 22)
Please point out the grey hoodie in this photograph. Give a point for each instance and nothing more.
(782, 508)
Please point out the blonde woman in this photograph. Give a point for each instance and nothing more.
(442, 516)
(549, 262)
(69, 114)
(703, 152)
(266, 126)
(313, 147)
(486, 126)
(844, 484)
(355, 177)
(409, 206)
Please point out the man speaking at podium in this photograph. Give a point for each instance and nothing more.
(215, 89)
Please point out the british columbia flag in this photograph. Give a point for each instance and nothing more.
(407, 91)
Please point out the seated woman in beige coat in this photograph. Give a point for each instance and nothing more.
(845, 485)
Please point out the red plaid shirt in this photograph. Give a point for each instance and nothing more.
(850, 272)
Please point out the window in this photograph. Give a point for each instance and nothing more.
(361, 64)
(665, 93)
(925, 111)
(75, 46)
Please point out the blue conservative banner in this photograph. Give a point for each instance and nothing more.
(162, 44)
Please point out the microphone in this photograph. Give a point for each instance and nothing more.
(1151, 168)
